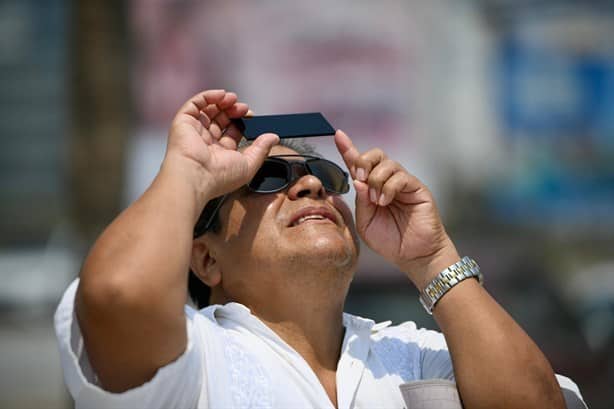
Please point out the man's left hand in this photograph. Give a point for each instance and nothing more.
(396, 214)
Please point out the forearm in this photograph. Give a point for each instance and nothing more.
(496, 364)
(133, 285)
(145, 251)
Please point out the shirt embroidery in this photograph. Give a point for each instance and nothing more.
(250, 386)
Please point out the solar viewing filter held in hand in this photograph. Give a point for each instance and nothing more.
(286, 126)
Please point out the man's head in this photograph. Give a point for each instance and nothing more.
(258, 243)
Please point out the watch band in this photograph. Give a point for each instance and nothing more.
(448, 278)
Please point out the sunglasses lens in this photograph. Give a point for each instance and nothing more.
(272, 176)
(332, 177)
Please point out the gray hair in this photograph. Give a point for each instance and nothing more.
(298, 145)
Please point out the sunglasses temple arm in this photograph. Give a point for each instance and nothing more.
(214, 213)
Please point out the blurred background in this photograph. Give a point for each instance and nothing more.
(505, 108)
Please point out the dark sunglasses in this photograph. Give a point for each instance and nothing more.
(277, 173)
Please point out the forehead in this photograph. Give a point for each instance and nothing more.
(277, 150)
(282, 150)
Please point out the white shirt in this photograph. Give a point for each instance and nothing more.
(233, 360)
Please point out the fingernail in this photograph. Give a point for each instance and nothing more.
(382, 200)
(373, 195)
(360, 174)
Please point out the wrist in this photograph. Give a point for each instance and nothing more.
(188, 181)
(424, 269)
(446, 280)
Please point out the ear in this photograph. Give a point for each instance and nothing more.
(204, 264)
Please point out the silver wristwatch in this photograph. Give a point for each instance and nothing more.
(448, 278)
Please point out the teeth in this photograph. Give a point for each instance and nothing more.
(310, 217)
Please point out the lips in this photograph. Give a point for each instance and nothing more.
(312, 213)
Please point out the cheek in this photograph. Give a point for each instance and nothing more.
(267, 227)
(345, 211)
(250, 219)
(234, 221)
(348, 218)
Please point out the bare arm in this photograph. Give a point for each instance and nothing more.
(496, 364)
(133, 286)
(132, 290)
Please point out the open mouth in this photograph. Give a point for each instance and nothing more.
(313, 215)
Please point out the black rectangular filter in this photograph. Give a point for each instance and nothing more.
(286, 126)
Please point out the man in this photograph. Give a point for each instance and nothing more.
(280, 262)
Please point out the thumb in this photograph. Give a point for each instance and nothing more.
(257, 152)
(364, 207)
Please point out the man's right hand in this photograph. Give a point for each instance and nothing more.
(133, 282)
(202, 145)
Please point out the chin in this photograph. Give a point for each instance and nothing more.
(332, 252)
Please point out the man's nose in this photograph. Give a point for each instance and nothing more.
(306, 185)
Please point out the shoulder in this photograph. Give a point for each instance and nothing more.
(408, 333)
(405, 333)
(406, 351)
(403, 351)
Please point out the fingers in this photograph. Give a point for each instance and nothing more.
(213, 110)
(365, 210)
(222, 118)
(366, 162)
(394, 185)
(348, 151)
(216, 116)
(231, 138)
(221, 112)
(379, 176)
(259, 150)
(231, 134)
(380, 180)
(217, 105)
(200, 101)
(238, 110)
(218, 112)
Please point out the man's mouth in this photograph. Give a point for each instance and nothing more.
(313, 214)
(305, 218)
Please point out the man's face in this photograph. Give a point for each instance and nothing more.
(268, 241)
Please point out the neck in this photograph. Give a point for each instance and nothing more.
(316, 336)
(307, 313)
(314, 330)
